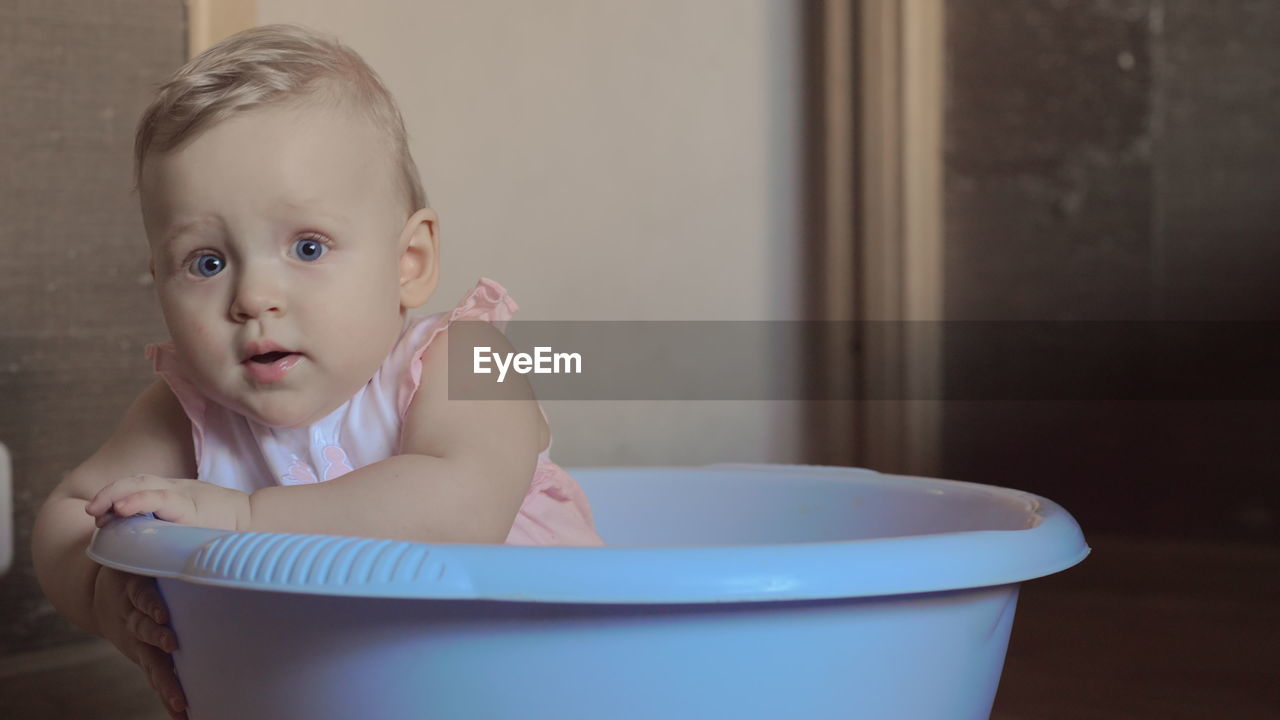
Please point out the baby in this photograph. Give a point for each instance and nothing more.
(289, 234)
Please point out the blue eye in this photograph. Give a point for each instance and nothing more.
(208, 265)
(309, 249)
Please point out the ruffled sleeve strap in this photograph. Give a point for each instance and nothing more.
(164, 358)
(487, 301)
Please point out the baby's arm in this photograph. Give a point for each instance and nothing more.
(155, 437)
(464, 470)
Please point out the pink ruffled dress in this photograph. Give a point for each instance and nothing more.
(236, 452)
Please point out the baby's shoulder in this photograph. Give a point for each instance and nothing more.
(425, 342)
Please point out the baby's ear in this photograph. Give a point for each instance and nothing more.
(419, 261)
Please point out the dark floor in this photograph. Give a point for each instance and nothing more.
(1141, 629)
(90, 681)
(1149, 629)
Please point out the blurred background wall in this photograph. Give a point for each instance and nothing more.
(1117, 161)
(1103, 160)
(76, 305)
(603, 160)
(607, 161)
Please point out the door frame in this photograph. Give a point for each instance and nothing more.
(877, 248)
(209, 21)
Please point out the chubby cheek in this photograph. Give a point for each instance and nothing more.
(363, 320)
(191, 326)
(200, 339)
(198, 343)
(364, 301)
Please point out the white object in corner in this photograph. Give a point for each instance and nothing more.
(6, 511)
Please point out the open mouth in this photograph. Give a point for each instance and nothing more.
(270, 367)
(268, 358)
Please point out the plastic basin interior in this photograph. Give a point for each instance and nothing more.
(743, 591)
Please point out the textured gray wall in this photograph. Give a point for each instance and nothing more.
(1117, 160)
(76, 310)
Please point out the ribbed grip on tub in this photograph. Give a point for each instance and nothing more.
(285, 560)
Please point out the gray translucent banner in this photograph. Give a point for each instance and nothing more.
(821, 361)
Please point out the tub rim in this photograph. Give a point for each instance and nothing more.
(374, 568)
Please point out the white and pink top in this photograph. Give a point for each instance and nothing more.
(239, 453)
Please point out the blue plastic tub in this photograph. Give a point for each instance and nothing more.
(725, 592)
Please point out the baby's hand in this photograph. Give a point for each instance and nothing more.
(128, 612)
(179, 500)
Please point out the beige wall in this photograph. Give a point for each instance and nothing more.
(616, 160)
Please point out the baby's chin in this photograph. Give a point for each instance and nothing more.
(282, 413)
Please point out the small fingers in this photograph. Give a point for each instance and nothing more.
(151, 633)
(111, 492)
(159, 669)
(134, 503)
(142, 592)
(146, 598)
(158, 502)
(105, 500)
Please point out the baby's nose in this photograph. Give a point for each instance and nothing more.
(256, 297)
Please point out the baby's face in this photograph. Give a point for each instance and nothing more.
(276, 244)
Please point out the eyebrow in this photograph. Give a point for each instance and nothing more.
(309, 206)
(186, 226)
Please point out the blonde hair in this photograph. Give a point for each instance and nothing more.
(264, 65)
